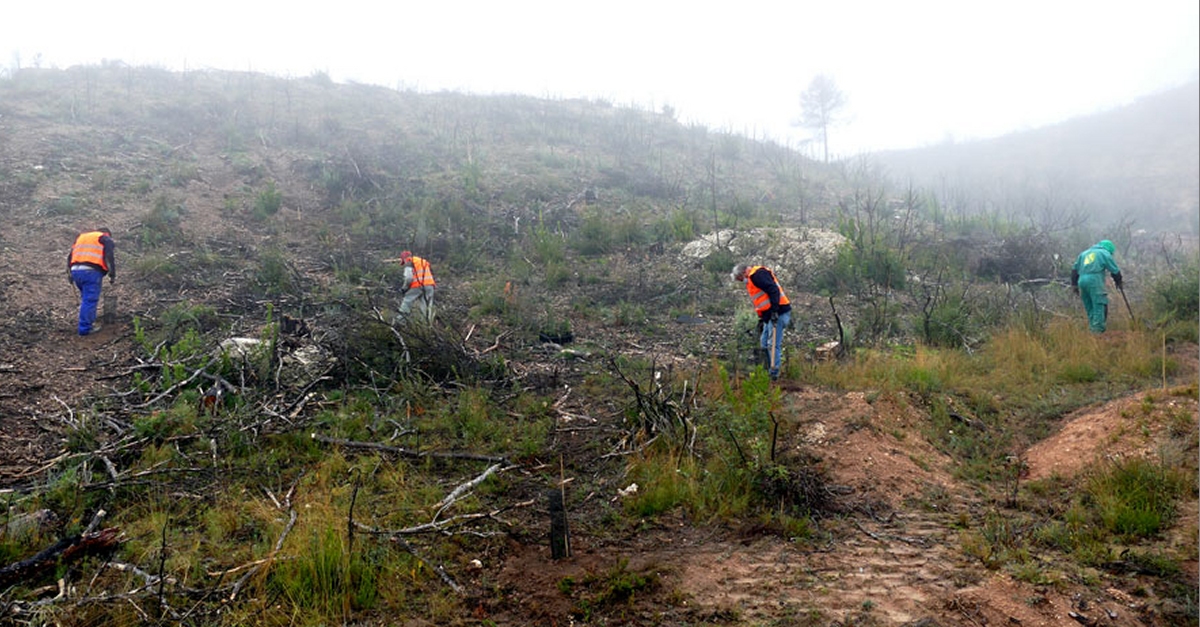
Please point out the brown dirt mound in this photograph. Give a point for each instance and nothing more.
(1132, 426)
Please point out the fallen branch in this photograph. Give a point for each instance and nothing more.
(69, 549)
(437, 568)
(403, 452)
(464, 489)
(439, 526)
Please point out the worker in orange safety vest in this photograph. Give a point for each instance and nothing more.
(773, 308)
(88, 261)
(419, 284)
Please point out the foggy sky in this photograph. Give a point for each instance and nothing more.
(913, 73)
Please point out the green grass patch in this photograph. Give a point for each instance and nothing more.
(1136, 498)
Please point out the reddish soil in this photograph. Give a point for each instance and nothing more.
(900, 564)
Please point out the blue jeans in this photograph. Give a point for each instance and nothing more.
(89, 281)
(765, 341)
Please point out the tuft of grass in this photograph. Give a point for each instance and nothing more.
(664, 482)
(326, 579)
(1135, 497)
(997, 541)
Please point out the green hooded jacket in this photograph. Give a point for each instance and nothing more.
(1096, 260)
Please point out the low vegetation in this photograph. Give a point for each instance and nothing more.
(282, 450)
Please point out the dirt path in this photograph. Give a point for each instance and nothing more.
(46, 368)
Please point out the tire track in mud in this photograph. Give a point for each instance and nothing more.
(895, 571)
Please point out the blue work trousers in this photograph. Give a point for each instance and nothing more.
(765, 341)
(89, 281)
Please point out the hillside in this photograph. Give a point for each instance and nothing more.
(1132, 163)
(944, 467)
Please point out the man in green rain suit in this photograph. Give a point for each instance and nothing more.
(1087, 279)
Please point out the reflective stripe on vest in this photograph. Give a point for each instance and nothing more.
(88, 249)
(761, 301)
(422, 274)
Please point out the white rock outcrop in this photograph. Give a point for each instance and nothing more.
(793, 253)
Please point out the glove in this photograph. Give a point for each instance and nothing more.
(1118, 280)
(112, 278)
(761, 323)
(774, 316)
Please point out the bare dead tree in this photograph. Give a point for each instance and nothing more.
(820, 105)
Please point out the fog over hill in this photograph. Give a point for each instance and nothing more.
(1137, 163)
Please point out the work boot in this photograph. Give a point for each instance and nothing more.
(95, 329)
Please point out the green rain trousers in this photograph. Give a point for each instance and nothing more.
(1095, 300)
(1090, 267)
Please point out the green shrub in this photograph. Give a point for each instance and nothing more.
(268, 202)
(951, 323)
(558, 273)
(181, 317)
(661, 486)
(547, 246)
(884, 268)
(1175, 297)
(596, 236)
(274, 276)
(720, 262)
(162, 224)
(597, 592)
(627, 314)
(678, 227)
(59, 207)
(1078, 373)
(157, 268)
(629, 231)
(853, 269)
(182, 173)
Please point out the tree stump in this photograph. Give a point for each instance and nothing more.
(560, 540)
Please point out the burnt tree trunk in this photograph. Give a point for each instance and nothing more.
(560, 542)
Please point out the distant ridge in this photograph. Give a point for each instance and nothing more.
(1137, 162)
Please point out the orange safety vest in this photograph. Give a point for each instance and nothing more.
(422, 274)
(88, 249)
(761, 301)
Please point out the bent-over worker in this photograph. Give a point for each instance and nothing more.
(773, 308)
(1087, 279)
(419, 284)
(89, 260)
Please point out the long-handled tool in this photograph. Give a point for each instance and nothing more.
(771, 346)
(1132, 318)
